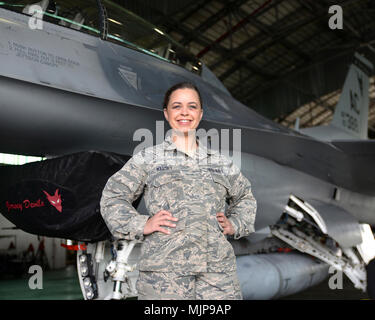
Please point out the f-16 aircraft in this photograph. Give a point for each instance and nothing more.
(79, 78)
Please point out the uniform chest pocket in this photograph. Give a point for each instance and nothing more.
(165, 192)
(221, 190)
(220, 180)
(164, 177)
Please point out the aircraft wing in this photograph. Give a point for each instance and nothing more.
(363, 149)
(361, 160)
(347, 164)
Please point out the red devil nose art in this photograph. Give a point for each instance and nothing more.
(54, 200)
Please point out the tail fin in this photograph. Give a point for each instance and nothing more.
(351, 113)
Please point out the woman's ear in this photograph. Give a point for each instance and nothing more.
(166, 114)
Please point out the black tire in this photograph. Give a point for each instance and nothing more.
(370, 268)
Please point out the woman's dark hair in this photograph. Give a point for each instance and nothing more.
(181, 85)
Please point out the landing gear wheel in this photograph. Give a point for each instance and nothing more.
(370, 268)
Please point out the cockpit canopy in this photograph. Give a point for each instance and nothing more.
(123, 27)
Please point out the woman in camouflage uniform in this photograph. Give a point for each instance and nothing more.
(185, 254)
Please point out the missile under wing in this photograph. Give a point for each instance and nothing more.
(89, 77)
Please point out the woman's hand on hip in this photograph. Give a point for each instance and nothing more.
(162, 218)
(225, 223)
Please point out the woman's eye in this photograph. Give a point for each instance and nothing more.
(193, 106)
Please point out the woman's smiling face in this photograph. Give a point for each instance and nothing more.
(184, 110)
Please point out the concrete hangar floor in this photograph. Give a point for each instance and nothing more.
(63, 284)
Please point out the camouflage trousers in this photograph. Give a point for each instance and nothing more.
(198, 286)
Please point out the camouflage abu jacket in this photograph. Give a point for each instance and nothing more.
(193, 189)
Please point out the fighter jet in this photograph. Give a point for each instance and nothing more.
(78, 81)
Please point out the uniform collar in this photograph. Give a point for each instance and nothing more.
(168, 143)
(202, 151)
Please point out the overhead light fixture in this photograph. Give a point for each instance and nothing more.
(159, 31)
(115, 21)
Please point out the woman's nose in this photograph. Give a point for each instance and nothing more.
(184, 110)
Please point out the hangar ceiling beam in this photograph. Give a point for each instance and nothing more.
(281, 35)
(285, 42)
(300, 68)
(268, 31)
(288, 68)
(191, 9)
(211, 21)
(172, 24)
(259, 10)
(252, 67)
(262, 37)
(318, 9)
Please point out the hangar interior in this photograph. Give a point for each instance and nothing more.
(279, 57)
